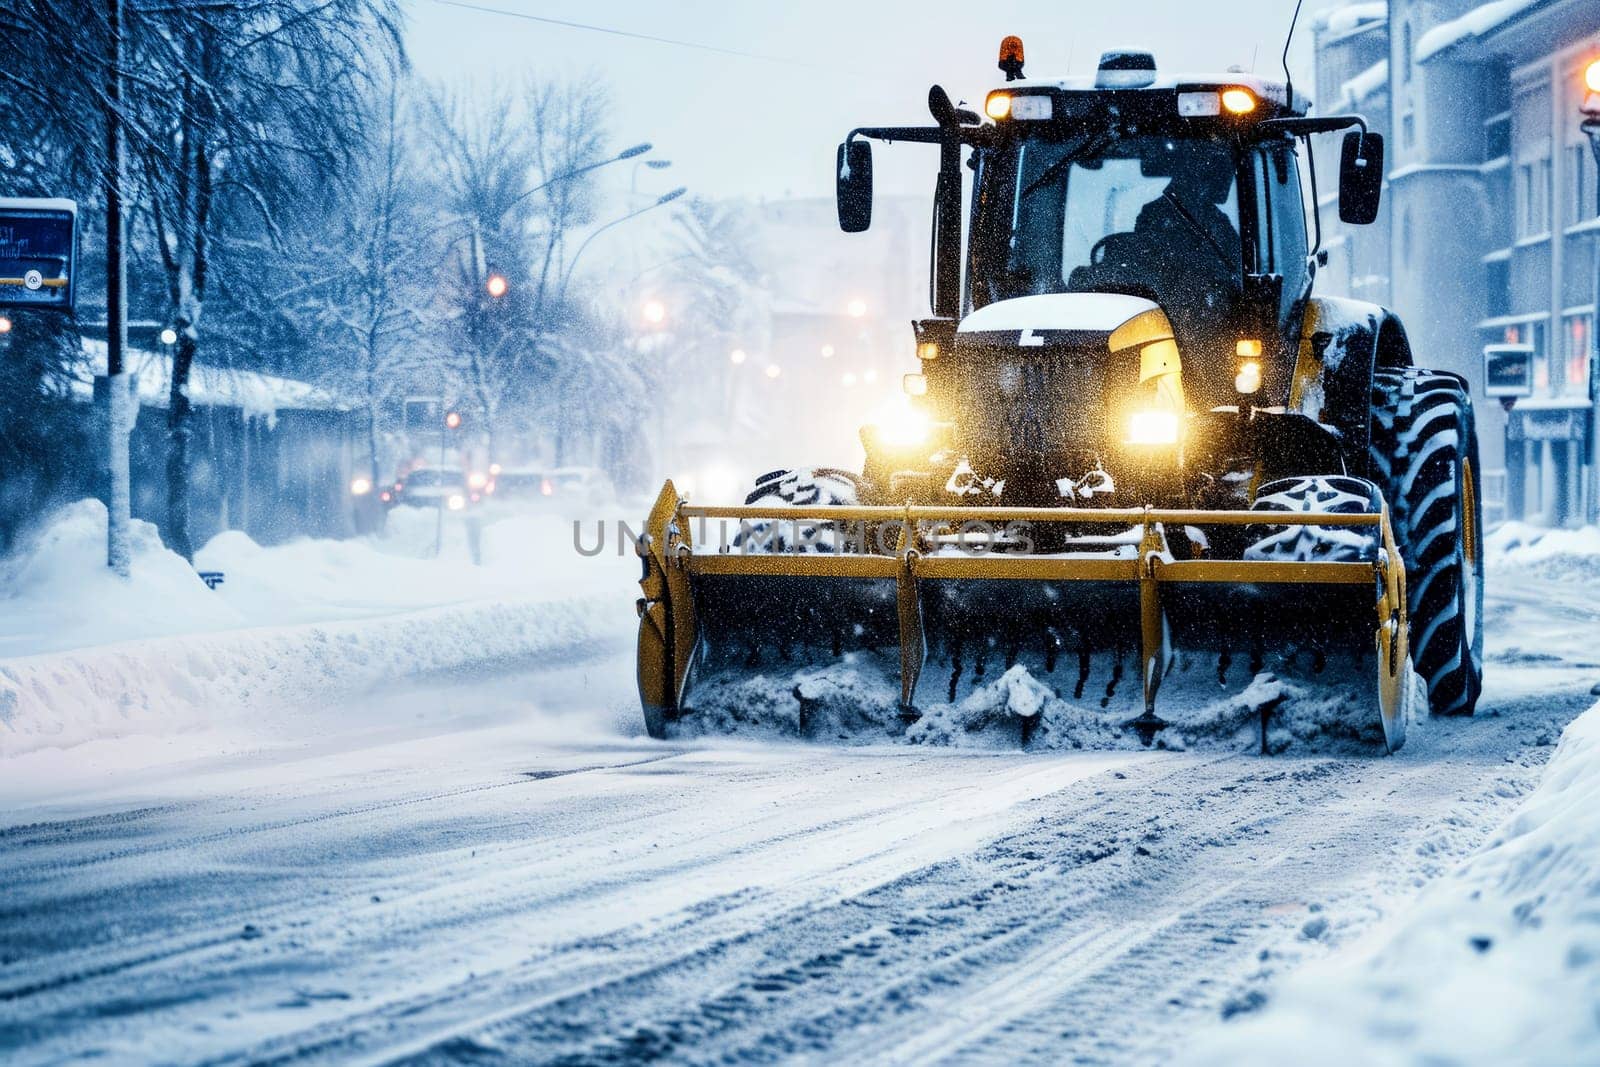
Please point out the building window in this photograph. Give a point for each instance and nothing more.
(1575, 351)
(1497, 136)
(1581, 203)
(1408, 129)
(1405, 239)
(1531, 193)
(1405, 53)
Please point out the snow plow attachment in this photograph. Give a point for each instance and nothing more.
(834, 619)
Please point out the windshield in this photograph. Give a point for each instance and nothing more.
(1152, 216)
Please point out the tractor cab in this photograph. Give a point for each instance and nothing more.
(1165, 193)
(1185, 190)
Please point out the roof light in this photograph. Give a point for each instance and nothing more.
(1238, 101)
(998, 106)
(1011, 57)
(1125, 70)
(1591, 77)
(1033, 107)
(1199, 105)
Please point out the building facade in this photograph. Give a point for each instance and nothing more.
(1491, 234)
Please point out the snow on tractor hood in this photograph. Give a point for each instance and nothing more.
(1113, 319)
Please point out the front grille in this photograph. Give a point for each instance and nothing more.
(1019, 406)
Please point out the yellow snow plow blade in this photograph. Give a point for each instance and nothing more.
(715, 603)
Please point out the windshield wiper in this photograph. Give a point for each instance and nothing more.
(1222, 253)
(1091, 144)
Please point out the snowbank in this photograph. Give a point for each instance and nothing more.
(1556, 554)
(1498, 963)
(165, 685)
(84, 655)
(56, 592)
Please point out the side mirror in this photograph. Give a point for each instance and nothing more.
(853, 190)
(1360, 177)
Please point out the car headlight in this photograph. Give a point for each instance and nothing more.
(455, 502)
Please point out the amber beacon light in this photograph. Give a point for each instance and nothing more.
(1011, 57)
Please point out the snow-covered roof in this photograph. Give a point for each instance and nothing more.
(1365, 84)
(1264, 88)
(1352, 16)
(38, 203)
(1481, 20)
(256, 394)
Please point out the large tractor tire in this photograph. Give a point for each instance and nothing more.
(1424, 455)
(801, 487)
(806, 486)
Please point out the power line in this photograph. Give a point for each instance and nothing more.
(696, 45)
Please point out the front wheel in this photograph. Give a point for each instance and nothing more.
(1424, 453)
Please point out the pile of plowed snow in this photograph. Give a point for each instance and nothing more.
(85, 655)
(1498, 963)
(857, 701)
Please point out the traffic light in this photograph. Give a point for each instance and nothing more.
(452, 420)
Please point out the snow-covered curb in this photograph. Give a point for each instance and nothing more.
(1498, 963)
(179, 683)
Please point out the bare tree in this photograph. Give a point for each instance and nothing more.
(367, 275)
(512, 173)
(255, 106)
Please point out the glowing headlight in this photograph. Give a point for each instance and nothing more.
(1153, 428)
(901, 424)
(1248, 380)
(477, 480)
(360, 486)
(998, 106)
(455, 502)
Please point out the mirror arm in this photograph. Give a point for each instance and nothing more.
(1301, 127)
(1316, 202)
(975, 136)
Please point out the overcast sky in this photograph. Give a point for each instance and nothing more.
(767, 127)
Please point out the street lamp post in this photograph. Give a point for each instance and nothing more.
(660, 201)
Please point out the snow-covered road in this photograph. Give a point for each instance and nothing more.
(491, 871)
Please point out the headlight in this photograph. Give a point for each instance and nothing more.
(360, 486)
(1153, 428)
(455, 502)
(900, 424)
(1248, 378)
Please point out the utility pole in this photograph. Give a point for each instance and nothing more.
(120, 419)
